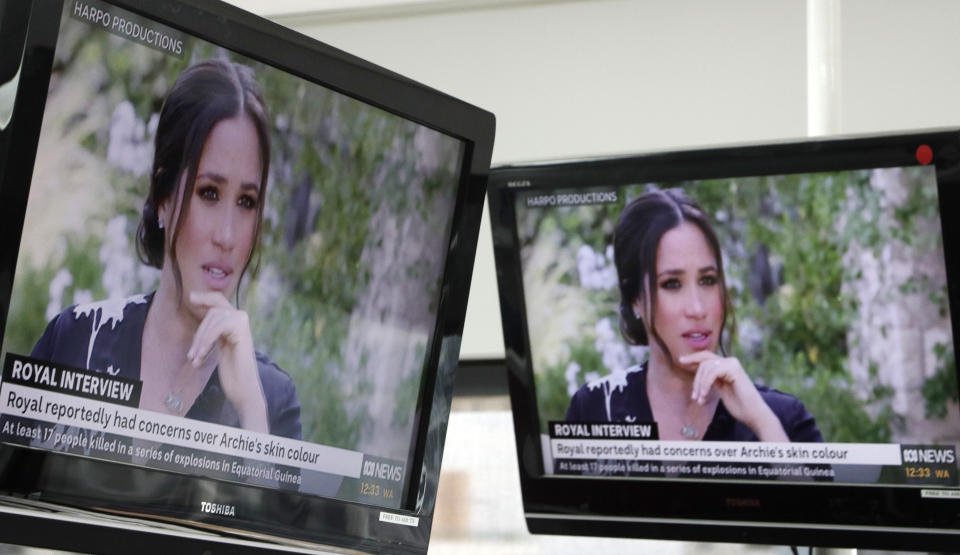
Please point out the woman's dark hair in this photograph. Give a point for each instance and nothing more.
(643, 222)
(204, 94)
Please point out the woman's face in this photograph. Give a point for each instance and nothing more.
(214, 243)
(689, 308)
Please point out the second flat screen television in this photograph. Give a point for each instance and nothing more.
(744, 344)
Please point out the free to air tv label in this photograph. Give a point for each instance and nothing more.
(940, 493)
(393, 518)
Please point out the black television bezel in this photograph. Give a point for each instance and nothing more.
(814, 514)
(47, 480)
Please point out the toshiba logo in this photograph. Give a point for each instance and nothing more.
(218, 509)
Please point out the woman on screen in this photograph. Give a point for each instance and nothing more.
(186, 342)
(673, 297)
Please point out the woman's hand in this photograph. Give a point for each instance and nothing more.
(224, 336)
(741, 398)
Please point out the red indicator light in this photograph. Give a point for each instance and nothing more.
(924, 154)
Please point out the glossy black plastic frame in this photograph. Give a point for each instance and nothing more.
(833, 515)
(307, 522)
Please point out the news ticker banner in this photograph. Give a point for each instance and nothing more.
(73, 410)
(631, 449)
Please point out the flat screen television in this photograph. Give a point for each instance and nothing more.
(233, 281)
(748, 344)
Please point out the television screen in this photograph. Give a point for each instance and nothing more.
(233, 274)
(742, 344)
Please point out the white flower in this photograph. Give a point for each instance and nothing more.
(615, 357)
(152, 127)
(82, 297)
(148, 277)
(130, 142)
(596, 271)
(269, 288)
(639, 352)
(605, 334)
(615, 354)
(119, 268)
(573, 370)
(750, 336)
(58, 285)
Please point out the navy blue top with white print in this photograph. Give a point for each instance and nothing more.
(107, 336)
(622, 397)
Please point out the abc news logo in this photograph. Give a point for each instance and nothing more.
(929, 455)
(383, 471)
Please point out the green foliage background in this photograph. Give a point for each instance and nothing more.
(795, 336)
(345, 177)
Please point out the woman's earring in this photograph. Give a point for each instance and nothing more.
(160, 223)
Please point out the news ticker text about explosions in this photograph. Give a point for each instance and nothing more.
(632, 449)
(75, 410)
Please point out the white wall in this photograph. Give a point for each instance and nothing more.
(900, 65)
(580, 78)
